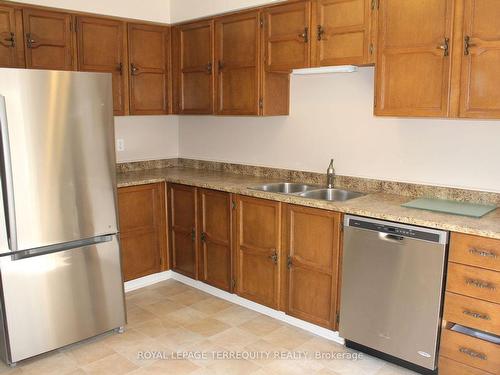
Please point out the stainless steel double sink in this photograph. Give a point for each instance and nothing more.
(308, 191)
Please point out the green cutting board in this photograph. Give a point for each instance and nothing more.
(450, 207)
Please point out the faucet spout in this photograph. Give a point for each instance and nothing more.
(330, 175)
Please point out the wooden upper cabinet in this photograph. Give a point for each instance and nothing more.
(413, 65)
(102, 47)
(149, 47)
(313, 243)
(237, 54)
(193, 68)
(142, 229)
(480, 81)
(342, 32)
(287, 36)
(49, 40)
(183, 223)
(258, 250)
(215, 231)
(11, 37)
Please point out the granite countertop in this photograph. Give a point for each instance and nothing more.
(378, 205)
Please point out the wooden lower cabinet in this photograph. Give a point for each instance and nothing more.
(11, 37)
(450, 367)
(215, 233)
(182, 226)
(312, 240)
(142, 230)
(258, 250)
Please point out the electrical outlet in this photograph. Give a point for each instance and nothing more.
(120, 145)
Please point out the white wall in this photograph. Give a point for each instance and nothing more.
(151, 10)
(332, 116)
(182, 10)
(147, 137)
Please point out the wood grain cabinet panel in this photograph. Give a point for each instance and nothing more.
(11, 37)
(237, 50)
(480, 83)
(342, 32)
(142, 230)
(258, 250)
(102, 47)
(193, 68)
(215, 222)
(149, 47)
(287, 36)
(413, 65)
(183, 224)
(49, 40)
(474, 282)
(313, 244)
(450, 367)
(475, 251)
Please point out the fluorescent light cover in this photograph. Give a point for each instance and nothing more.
(326, 70)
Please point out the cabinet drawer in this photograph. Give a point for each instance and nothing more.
(473, 313)
(474, 282)
(470, 351)
(475, 251)
(450, 367)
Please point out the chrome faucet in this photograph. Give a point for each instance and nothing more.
(330, 175)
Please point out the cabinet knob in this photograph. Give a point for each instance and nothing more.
(445, 46)
(193, 234)
(305, 35)
(321, 32)
(467, 45)
(209, 68)
(133, 69)
(30, 41)
(11, 40)
(274, 257)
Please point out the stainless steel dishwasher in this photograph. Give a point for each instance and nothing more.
(392, 289)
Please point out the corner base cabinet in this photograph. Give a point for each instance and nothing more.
(142, 230)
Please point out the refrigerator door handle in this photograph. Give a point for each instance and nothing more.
(23, 254)
(7, 181)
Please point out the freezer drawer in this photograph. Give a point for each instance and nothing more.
(57, 299)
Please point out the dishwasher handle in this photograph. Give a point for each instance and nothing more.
(391, 238)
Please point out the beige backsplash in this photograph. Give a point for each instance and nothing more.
(342, 182)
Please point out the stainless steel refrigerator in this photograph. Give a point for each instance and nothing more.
(60, 266)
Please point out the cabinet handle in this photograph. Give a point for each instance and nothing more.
(274, 257)
(209, 68)
(476, 315)
(321, 31)
(483, 253)
(221, 66)
(11, 39)
(193, 235)
(134, 69)
(289, 262)
(203, 237)
(119, 68)
(480, 284)
(473, 353)
(445, 46)
(29, 40)
(467, 45)
(305, 35)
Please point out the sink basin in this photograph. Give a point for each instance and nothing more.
(332, 195)
(285, 188)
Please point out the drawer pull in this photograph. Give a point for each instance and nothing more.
(473, 354)
(480, 284)
(483, 253)
(476, 315)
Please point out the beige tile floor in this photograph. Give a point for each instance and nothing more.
(171, 317)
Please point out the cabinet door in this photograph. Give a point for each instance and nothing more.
(193, 68)
(313, 244)
(142, 229)
(11, 37)
(237, 50)
(480, 85)
(102, 47)
(258, 250)
(183, 238)
(149, 75)
(413, 64)
(341, 32)
(287, 36)
(215, 238)
(49, 40)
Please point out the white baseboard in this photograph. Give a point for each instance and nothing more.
(147, 281)
(233, 298)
